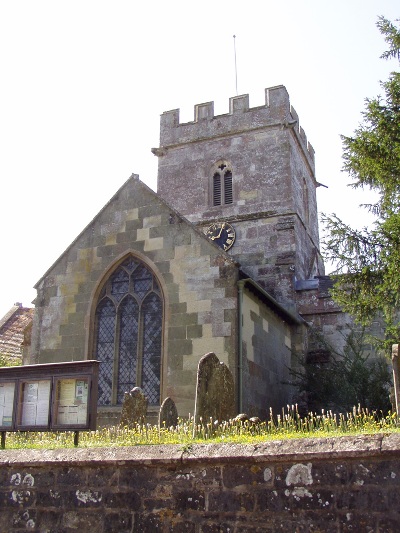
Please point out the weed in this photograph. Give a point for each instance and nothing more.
(286, 425)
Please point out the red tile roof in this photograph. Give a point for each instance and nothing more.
(15, 330)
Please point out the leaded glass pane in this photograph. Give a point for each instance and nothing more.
(130, 264)
(137, 325)
(156, 287)
(119, 284)
(152, 326)
(129, 321)
(104, 353)
(142, 281)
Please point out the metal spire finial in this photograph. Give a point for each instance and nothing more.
(234, 47)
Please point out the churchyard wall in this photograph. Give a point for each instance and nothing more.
(328, 485)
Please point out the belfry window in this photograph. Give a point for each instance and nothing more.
(128, 326)
(222, 187)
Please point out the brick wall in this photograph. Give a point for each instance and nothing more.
(326, 485)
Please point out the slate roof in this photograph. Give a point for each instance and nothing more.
(15, 328)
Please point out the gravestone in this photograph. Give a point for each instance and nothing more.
(168, 415)
(215, 391)
(134, 408)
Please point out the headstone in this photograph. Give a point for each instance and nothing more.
(242, 418)
(168, 414)
(215, 391)
(134, 408)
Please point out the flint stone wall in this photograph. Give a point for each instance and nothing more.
(327, 485)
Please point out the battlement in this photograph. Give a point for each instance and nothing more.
(277, 112)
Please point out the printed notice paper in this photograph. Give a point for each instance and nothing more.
(35, 403)
(6, 403)
(72, 401)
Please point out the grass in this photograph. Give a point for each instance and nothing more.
(287, 425)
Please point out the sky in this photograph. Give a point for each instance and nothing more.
(83, 84)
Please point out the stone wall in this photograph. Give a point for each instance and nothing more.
(266, 358)
(274, 208)
(326, 485)
(197, 281)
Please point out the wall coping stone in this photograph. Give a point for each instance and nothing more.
(305, 449)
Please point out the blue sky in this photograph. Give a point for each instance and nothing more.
(83, 84)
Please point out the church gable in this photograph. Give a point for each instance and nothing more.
(196, 283)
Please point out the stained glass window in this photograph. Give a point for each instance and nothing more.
(128, 333)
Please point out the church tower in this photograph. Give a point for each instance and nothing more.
(247, 178)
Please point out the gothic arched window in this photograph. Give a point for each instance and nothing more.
(128, 326)
(222, 188)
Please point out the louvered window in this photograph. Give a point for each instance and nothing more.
(217, 189)
(128, 334)
(222, 186)
(228, 197)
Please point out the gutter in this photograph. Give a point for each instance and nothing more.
(291, 317)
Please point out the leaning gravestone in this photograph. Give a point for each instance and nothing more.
(215, 391)
(134, 408)
(168, 416)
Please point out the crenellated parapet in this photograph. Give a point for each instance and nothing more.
(275, 113)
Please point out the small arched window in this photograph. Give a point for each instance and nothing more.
(128, 326)
(222, 187)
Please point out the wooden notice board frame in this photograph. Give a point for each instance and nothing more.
(49, 397)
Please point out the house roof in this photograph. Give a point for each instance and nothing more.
(15, 329)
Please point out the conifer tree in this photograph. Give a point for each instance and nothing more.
(368, 261)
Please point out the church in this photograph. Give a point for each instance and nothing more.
(224, 257)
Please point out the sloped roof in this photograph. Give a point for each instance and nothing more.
(135, 180)
(15, 329)
(291, 317)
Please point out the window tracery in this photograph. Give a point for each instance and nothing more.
(128, 326)
(222, 186)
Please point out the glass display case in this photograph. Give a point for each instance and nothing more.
(56, 396)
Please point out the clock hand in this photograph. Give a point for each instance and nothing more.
(213, 237)
(220, 231)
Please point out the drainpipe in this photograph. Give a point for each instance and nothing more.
(396, 376)
(240, 351)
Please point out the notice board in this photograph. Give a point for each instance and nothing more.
(51, 396)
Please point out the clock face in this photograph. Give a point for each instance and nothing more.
(222, 234)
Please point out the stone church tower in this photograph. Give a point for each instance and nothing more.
(224, 257)
(254, 169)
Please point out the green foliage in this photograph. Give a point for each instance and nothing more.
(354, 377)
(392, 37)
(7, 361)
(286, 425)
(367, 261)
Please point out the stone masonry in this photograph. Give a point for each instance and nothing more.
(331, 485)
(274, 209)
(197, 279)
